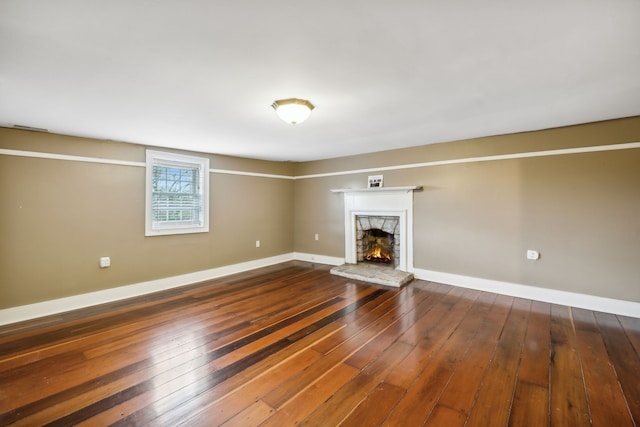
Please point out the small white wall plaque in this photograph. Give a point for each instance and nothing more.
(374, 181)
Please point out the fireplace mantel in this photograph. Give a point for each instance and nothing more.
(377, 189)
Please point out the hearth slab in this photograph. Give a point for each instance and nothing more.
(374, 274)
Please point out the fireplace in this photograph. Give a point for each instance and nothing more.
(389, 209)
(378, 235)
(378, 239)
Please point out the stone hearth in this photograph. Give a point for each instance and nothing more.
(373, 274)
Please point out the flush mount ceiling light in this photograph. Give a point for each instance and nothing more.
(293, 110)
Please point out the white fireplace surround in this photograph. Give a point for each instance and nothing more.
(391, 201)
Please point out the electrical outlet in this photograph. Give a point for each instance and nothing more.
(105, 262)
(533, 255)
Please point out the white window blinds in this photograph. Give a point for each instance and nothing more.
(177, 194)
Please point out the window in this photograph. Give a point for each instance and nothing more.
(177, 194)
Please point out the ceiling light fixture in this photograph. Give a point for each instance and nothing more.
(293, 110)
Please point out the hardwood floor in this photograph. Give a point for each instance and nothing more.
(292, 344)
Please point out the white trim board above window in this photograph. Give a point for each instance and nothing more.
(176, 194)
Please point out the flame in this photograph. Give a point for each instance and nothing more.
(378, 255)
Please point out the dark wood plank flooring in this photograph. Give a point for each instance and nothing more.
(291, 344)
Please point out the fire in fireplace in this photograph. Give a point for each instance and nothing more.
(377, 246)
(378, 239)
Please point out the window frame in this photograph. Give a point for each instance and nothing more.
(161, 158)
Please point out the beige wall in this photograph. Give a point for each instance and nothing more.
(581, 211)
(58, 217)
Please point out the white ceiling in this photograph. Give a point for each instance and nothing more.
(201, 74)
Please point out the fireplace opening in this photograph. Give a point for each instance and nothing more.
(377, 246)
(378, 239)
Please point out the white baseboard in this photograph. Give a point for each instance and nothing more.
(572, 299)
(46, 308)
(321, 259)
